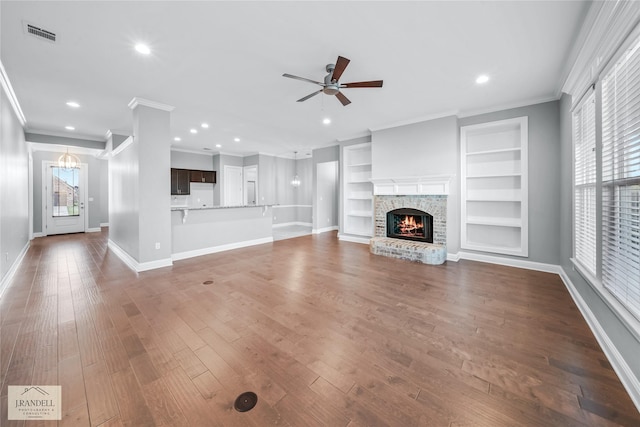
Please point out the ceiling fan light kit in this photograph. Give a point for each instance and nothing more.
(332, 85)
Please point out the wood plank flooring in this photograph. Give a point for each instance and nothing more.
(325, 333)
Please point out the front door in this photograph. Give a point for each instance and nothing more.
(63, 207)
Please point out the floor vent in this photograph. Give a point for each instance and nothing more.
(40, 33)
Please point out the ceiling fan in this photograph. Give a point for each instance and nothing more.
(332, 85)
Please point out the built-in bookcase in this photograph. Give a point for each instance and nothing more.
(495, 187)
(357, 190)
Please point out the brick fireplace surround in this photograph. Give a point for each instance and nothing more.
(434, 204)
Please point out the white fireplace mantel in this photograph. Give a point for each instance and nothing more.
(430, 185)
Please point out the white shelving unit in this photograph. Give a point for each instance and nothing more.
(495, 187)
(357, 191)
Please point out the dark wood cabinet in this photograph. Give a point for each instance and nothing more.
(181, 179)
(202, 176)
(180, 182)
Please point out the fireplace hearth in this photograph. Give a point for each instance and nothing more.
(410, 224)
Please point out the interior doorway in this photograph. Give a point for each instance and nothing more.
(251, 185)
(63, 204)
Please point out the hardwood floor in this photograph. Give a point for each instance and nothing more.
(325, 333)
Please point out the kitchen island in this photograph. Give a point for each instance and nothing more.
(199, 231)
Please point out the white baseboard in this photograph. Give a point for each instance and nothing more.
(38, 234)
(324, 229)
(453, 257)
(134, 264)
(354, 239)
(220, 248)
(93, 230)
(285, 224)
(14, 267)
(619, 364)
(104, 224)
(510, 262)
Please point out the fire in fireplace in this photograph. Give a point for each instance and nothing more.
(410, 224)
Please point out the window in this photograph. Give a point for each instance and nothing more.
(584, 125)
(65, 191)
(621, 179)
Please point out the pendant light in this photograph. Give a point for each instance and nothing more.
(296, 179)
(68, 161)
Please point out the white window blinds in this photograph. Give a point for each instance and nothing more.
(621, 179)
(584, 126)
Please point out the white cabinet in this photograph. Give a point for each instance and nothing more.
(495, 187)
(357, 190)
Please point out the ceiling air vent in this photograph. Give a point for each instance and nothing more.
(41, 33)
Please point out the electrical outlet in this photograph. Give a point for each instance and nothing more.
(157, 245)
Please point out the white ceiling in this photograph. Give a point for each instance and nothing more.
(222, 63)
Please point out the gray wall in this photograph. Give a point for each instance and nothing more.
(623, 340)
(183, 160)
(325, 186)
(63, 140)
(96, 181)
(426, 148)
(124, 201)
(544, 175)
(14, 188)
(104, 192)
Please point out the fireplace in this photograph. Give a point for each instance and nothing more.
(410, 224)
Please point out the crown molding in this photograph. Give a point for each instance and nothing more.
(510, 106)
(13, 99)
(414, 120)
(135, 102)
(363, 134)
(193, 151)
(58, 148)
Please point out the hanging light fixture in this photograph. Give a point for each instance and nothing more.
(68, 161)
(296, 179)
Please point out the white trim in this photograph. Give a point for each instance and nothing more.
(59, 148)
(221, 248)
(324, 229)
(127, 142)
(428, 185)
(354, 239)
(135, 265)
(38, 234)
(93, 230)
(358, 135)
(286, 224)
(186, 150)
(14, 267)
(414, 120)
(104, 224)
(135, 102)
(619, 364)
(510, 262)
(13, 99)
(292, 206)
(453, 257)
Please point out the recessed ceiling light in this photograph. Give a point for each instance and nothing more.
(177, 139)
(73, 104)
(236, 139)
(69, 128)
(218, 145)
(205, 126)
(194, 131)
(482, 79)
(326, 120)
(143, 49)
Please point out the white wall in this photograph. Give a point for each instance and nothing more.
(14, 188)
(422, 149)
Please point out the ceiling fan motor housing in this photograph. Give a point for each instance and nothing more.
(330, 87)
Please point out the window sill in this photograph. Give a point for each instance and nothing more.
(627, 319)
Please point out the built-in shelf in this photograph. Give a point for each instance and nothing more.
(357, 191)
(494, 182)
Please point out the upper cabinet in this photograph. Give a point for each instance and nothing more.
(180, 182)
(495, 187)
(181, 179)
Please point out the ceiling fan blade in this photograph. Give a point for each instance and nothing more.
(291, 76)
(341, 64)
(309, 96)
(345, 101)
(373, 83)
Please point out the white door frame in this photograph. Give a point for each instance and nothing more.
(45, 202)
(245, 176)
